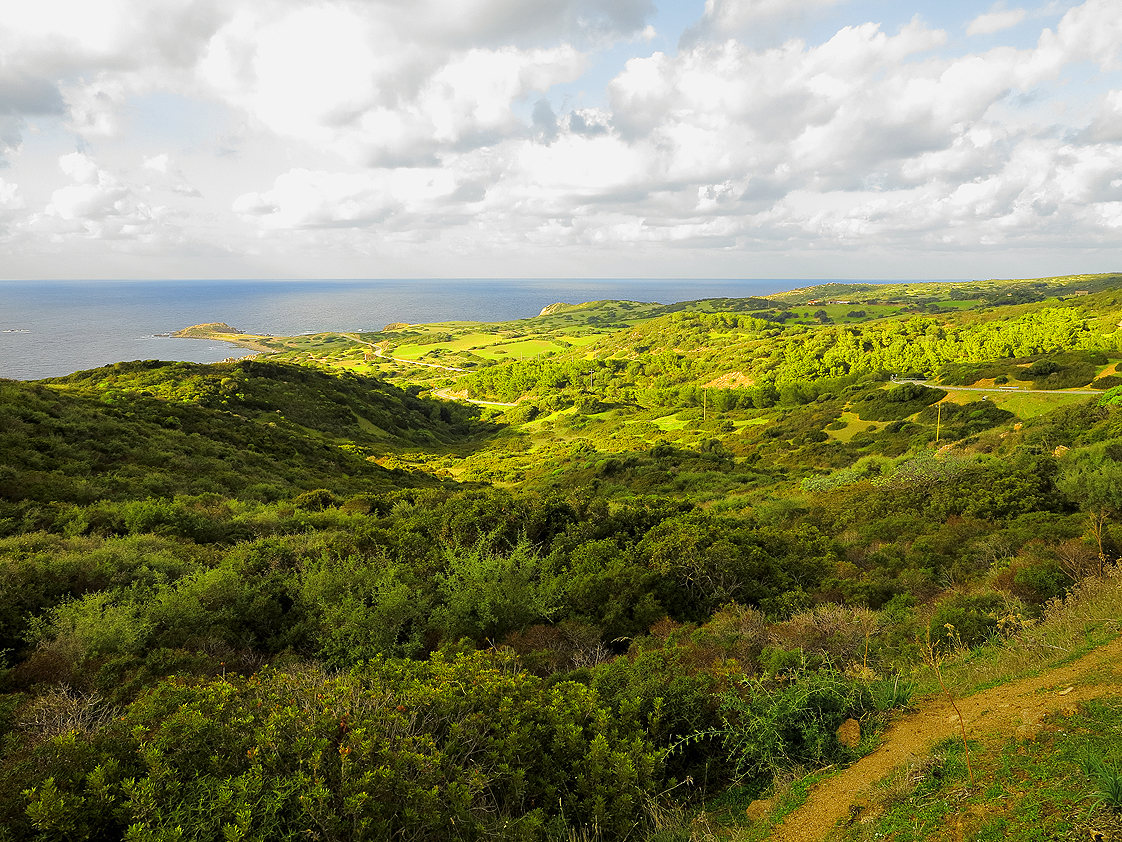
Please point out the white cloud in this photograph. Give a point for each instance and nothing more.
(866, 138)
(333, 75)
(1088, 32)
(11, 203)
(303, 198)
(9, 196)
(1107, 124)
(169, 176)
(995, 21)
(97, 205)
(440, 120)
(94, 108)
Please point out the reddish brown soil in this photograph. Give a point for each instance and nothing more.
(1014, 709)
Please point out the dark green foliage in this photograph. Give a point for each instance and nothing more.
(967, 620)
(463, 749)
(896, 403)
(662, 566)
(1107, 779)
(958, 421)
(773, 724)
(1062, 371)
(239, 429)
(669, 689)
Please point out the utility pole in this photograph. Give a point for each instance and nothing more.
(938, 421)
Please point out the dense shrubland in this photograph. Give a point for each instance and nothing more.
(221, 615)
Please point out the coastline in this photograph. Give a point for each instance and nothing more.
(222, 332)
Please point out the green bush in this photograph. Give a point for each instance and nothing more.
(467, 748)
(967, 620)
(770, 725)
(897, 403)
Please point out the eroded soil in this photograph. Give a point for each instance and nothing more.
(1014, 709)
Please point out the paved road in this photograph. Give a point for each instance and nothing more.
(1015, 390)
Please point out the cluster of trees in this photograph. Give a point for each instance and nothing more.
(220, 618)
(682, 349)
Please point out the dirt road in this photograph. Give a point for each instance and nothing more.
(1013, 709)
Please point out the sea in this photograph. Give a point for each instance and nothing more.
(54, 328)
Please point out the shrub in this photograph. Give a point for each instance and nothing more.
(463, 748)
(771, 725)
(967, 619)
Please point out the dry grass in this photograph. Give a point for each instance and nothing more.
(1087, 617)
(62, 710)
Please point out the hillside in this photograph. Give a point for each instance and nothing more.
(306, 592)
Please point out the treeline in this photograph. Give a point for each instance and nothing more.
(684, 349)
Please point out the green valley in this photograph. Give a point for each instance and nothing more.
(620, 571)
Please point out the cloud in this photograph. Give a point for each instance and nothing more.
(865, 139)
(170, 177)
(94, 107)
(11, 203)
(371, 79)
(309, 199)
(995, 21)
(1107, 124)
(332, 75)
(22, 95)
(367, 122)
(10, 199)
(97, 205)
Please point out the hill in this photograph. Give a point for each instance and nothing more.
(305, 592)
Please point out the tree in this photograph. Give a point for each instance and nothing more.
(1094, 481)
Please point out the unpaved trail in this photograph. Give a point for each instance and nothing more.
(1014, 708)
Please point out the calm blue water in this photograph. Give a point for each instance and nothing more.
(54, 328)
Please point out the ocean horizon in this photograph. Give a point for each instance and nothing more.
(54, 328)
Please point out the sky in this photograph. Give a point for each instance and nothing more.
(559, 138)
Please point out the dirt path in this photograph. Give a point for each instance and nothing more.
(447, 395)
(1016, 708)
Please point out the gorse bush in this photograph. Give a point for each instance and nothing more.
(462, 748)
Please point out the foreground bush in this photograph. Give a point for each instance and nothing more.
(463, 748)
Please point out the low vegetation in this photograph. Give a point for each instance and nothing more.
(313, 596)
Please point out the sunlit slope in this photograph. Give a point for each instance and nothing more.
(262, 429)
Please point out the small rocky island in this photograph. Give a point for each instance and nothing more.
(206, 331)
(222, 332)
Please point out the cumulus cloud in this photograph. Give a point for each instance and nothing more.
(867, 137)
(340, 77)
(11, 203)
(10, 198)
(304, 198)
(373, 79)
(1107, 125)
(83, 59)
(440, 119)
(98, 205)
(995, 21)
(22, 95)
